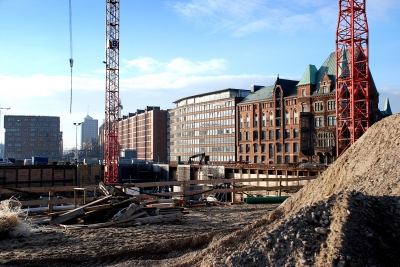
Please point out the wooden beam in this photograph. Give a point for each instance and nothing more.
(218, 181)
(102, 225)
(76, 212)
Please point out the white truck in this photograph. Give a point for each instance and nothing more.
(5, 161)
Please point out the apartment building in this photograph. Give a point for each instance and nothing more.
(27, 136)
(294, 121)
(146, 132)
(205, 123)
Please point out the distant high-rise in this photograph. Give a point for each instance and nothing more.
(89, 129)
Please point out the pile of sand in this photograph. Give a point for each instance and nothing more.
(349, 216)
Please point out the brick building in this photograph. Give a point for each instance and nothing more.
(146, 132)
(268, 127)
(294, 121)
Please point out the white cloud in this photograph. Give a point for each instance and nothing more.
(145, 64)
(185, 67)
(245, 17)
(284, 16)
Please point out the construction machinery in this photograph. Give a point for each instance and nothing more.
(201, 161)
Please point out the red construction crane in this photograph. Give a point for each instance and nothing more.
(111, 146)
(352, 73)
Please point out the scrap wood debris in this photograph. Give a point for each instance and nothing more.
(13, 220)
(118, 209)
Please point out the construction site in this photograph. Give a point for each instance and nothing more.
(200, 213)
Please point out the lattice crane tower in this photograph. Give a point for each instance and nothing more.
(352, 71)
(111, 146)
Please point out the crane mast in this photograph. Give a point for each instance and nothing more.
(111, 146)
(353, 108)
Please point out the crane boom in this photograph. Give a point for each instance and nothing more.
(111, 146)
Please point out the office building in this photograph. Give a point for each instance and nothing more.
(205, 123)
(89, 130)
(27, 136)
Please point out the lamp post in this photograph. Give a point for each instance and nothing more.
(1, 127)
(76, 141)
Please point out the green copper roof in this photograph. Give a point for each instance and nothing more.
(308, 76)
(328, 67)
(387, 111)
(265, 93)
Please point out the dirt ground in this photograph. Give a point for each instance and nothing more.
(54, 246)
(348, 216)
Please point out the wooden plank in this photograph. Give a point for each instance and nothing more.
(219, 181)
(76, 212)
(39, 202)
(41, 189)
(102, 225)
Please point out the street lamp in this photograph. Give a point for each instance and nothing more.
(1, 154)
(76, 141)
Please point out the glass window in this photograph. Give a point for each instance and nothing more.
(295, 147)
(319, 121)
(319, 106)
(255, 148)
(331, 120)
(271, 135)
(287, 133)
(278, 147)
(295, 133)
(287, 147)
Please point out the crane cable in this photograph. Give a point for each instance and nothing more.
(71, 61)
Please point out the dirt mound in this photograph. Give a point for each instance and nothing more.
(349, 216)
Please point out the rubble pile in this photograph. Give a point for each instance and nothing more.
(348, 216)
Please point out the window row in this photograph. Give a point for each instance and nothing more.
(255, 148)
(269, 135)
(256, 159)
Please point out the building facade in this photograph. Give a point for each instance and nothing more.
(89, 130)
(268, 124)
(205, 123)
(146, 132)
(27, 136)
(294, 121)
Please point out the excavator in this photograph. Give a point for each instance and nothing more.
(201, 161)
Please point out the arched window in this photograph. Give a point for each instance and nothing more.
(264, 120)
(295, 117)
(255, 120)
(287, 117)
(255, 148)
(271, 119)
(247, 121)
(241, 121)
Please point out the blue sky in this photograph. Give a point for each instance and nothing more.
(173, 49)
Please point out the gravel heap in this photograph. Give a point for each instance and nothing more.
(349, 216)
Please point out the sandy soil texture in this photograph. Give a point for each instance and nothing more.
(54, 246)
